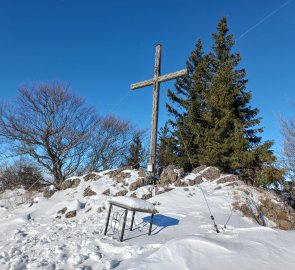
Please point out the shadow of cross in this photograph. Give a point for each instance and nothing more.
(157, 79)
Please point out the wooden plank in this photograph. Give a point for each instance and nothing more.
(172, 75)
(155, 110)
(162, 78)
(141, 84)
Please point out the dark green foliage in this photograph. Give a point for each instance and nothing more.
(186, 111)
(136, 153)
(166, 148)
(212, 116)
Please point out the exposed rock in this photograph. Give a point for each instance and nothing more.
(266, 207)
(71, 214)
(118, 175)
(88, 192)
(135, 185)
(278, 212)
(211, 173)
(133, 195)
(196, 181)
(48, 192)
(122, 192)
(62, 211)
(179, 183)
(199, 169)
(58, 217)
(141, 173)
(169, 175)
(227, 178)
(100, 209)
(284, 225)
(181, 173)
(233, 184)
(217, 188)
(91, 176)
(147, 196)
(70, 183)
(106, 192)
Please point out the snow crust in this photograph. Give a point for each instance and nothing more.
(36, 236)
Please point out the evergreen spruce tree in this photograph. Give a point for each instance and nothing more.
(166, 146)
(233, 140)
(186, 110)
(214, 118)
(136, 153)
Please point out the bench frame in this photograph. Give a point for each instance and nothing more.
(125, 217)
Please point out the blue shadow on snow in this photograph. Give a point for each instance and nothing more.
(161, 220)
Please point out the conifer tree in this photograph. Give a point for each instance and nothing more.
(166, 146)
(136, 153)
(214, 118)
(187, 109)
(233, 140)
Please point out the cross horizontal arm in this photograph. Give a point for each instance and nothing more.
(141, 84)
(162, 78)
(172, 75)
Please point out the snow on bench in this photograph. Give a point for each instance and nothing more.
(136, 204)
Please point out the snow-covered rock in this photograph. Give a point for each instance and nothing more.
(39, 236)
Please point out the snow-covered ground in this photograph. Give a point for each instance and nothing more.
(183, 236)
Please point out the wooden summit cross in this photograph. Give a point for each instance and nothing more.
(156, 89)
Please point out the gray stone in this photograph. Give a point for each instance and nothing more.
(70, 183)
(135, 185)
(71, 214)
(122, 192)
(91, 176)
(62, 211)
(106, 192)
(88, 192)
(147, 196)
(48, 193)
(100, 209)
(227, 178)
(211, 173)
(199, 169)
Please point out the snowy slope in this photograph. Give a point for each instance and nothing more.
(182, 237)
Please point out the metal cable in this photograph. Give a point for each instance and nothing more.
(189, 157)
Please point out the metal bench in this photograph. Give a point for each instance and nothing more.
(134, 205)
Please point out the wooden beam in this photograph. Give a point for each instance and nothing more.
(162, 78)
(142, 84)
(172, 75)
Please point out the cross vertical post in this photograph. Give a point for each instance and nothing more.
(155, 112)
(157, 79)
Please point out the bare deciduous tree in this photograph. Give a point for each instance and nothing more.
(288, 132)
(109, 143)
(21, 173)
(49, 124)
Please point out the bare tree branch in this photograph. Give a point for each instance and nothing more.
(49, 124)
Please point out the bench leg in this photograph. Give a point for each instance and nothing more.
(124, 224)
(132, 220)
(151, 224)
(108, 219)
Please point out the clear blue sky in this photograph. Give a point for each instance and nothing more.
(101, 47)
